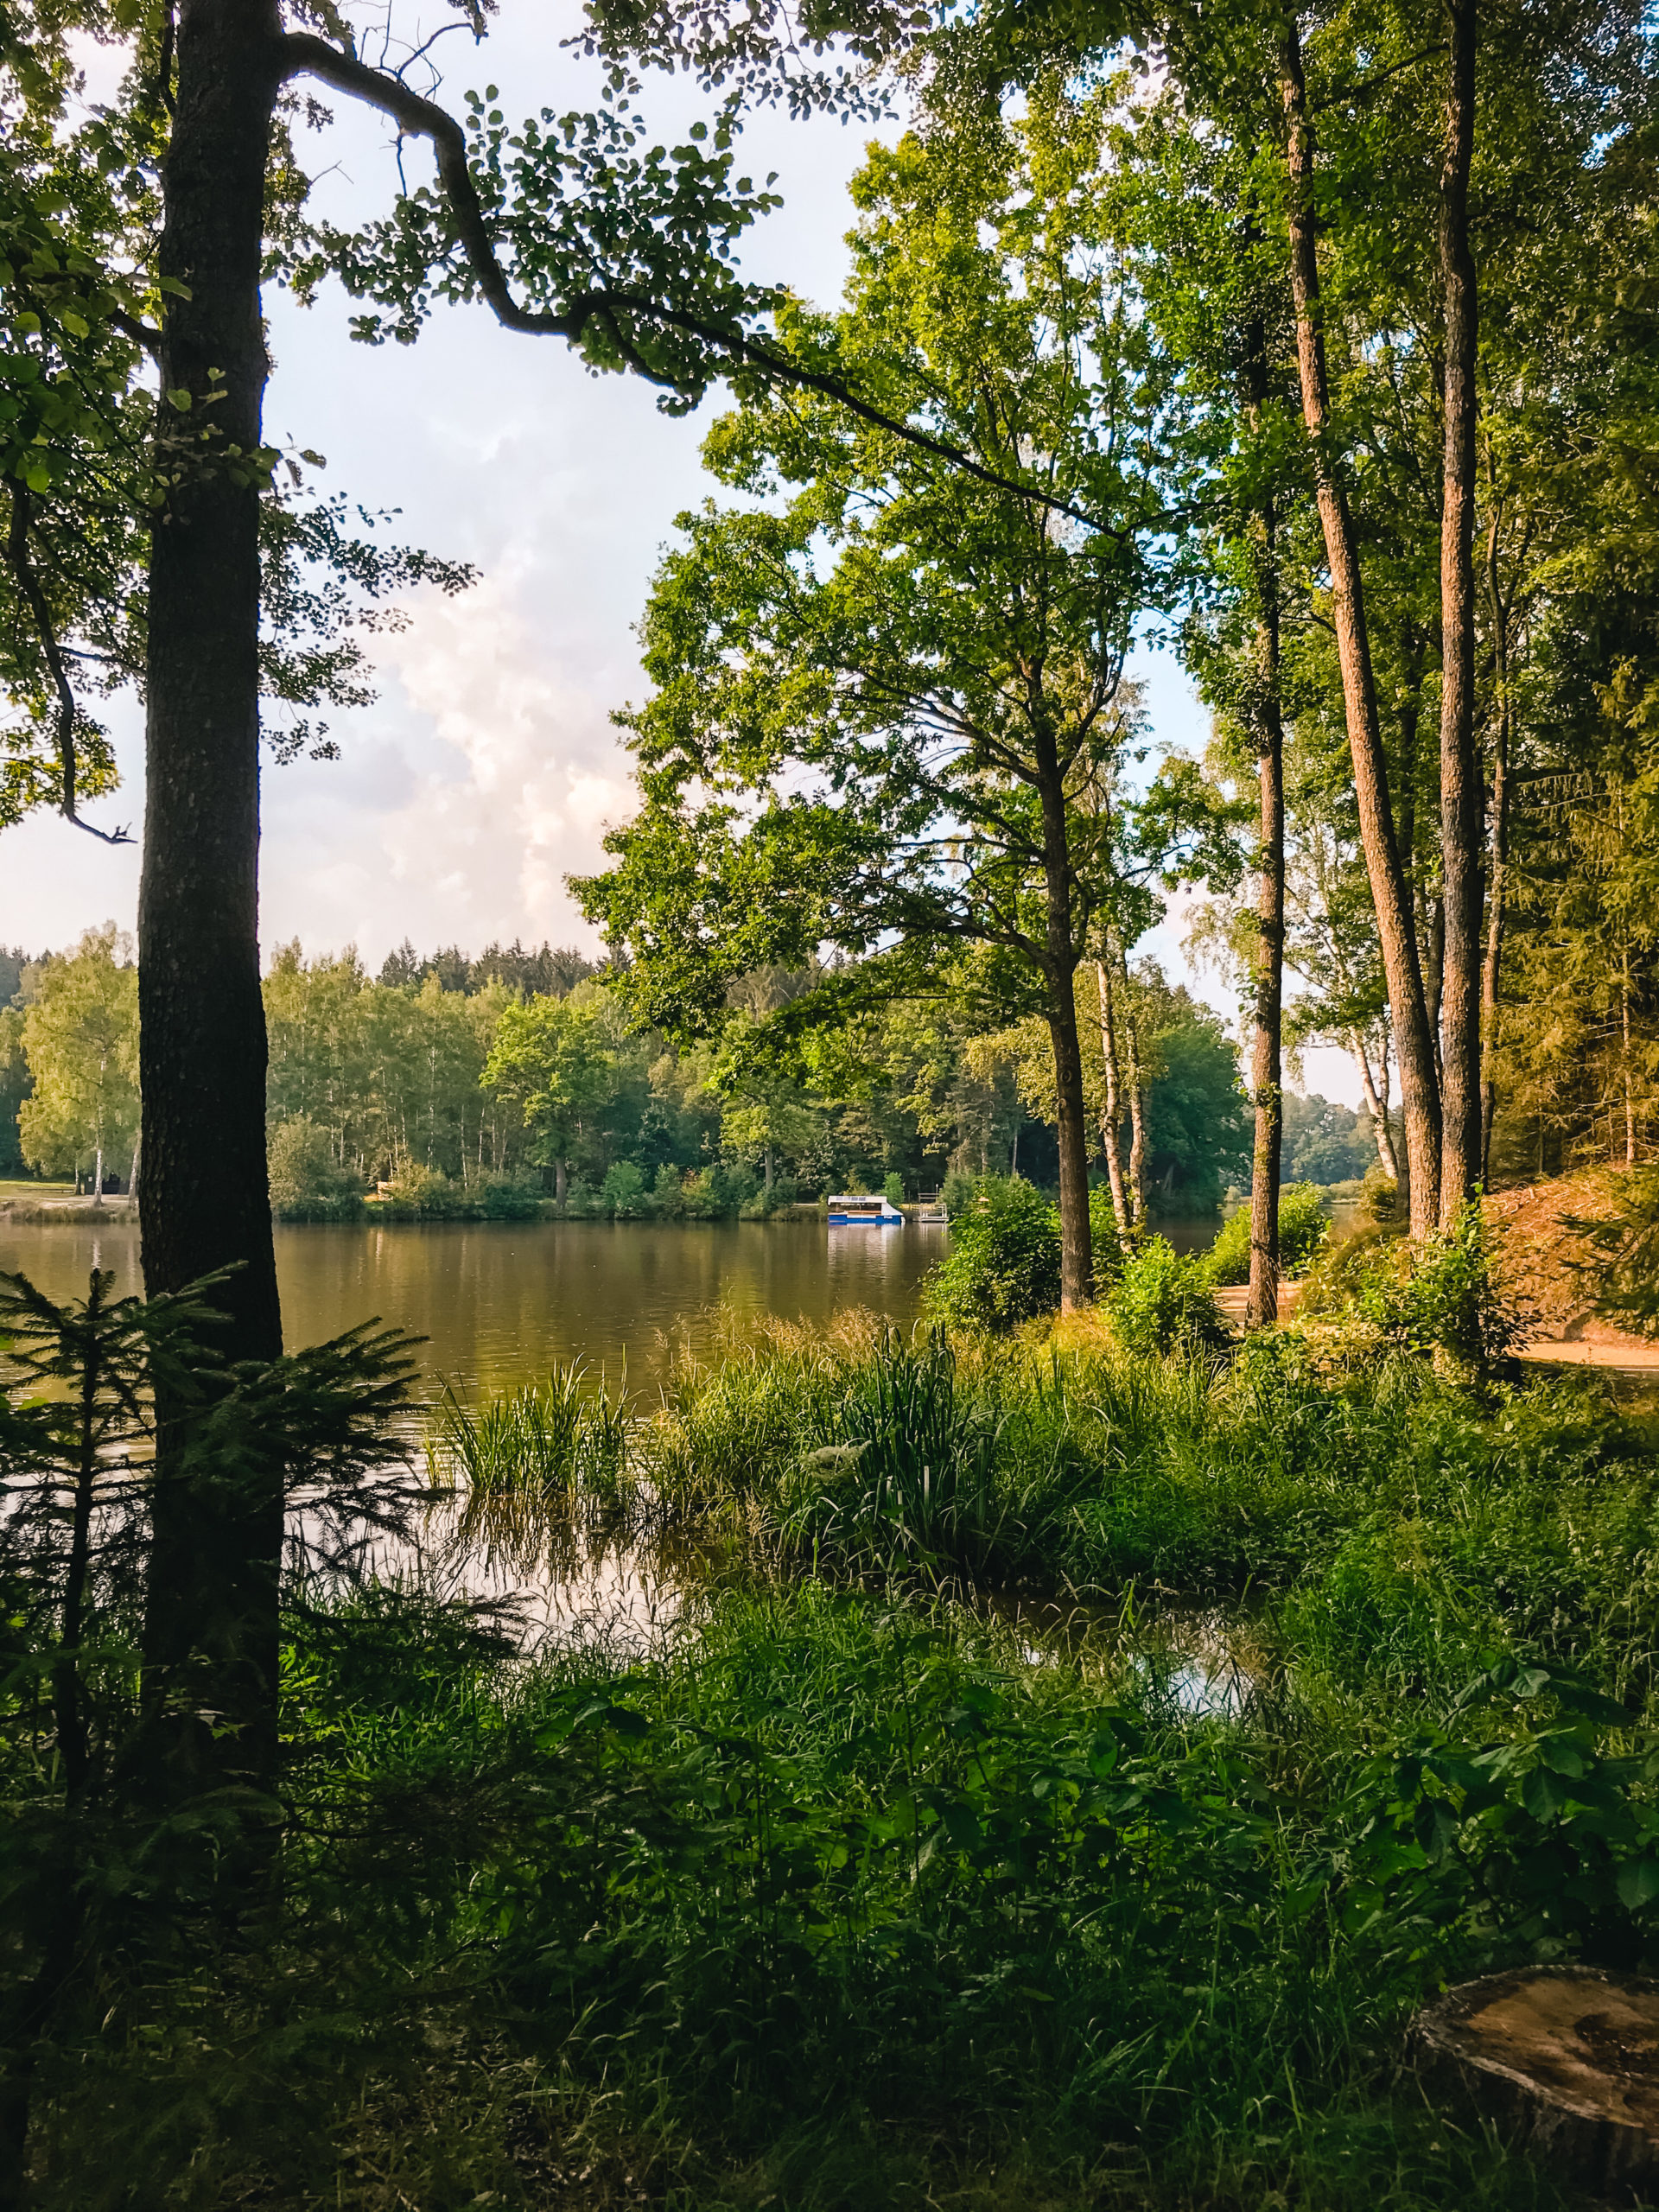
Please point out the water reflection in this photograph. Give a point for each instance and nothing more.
(501, 1302)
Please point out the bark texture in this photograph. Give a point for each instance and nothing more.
(1111, 1125)
(204, 1200)
(1497, 889)
(1460, 792)
(1262, 1302)
(1418, 1089)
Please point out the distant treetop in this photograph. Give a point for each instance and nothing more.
(548, 972)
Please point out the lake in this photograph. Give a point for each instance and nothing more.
(500, 1302)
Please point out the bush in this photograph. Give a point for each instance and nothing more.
(1304, 1225)
(894, 1190)
(623, 1194)
(1443, 1297)
(1004, 1263)
(307, 1183)
(507, 1197)
(1162, 1303)
(418, 1193)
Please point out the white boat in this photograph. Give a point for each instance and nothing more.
(864, 1209)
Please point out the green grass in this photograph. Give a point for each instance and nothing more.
(857, 1889)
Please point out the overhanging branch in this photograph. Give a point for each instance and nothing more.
(29, 587)
(303, 54)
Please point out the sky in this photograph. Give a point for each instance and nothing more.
(488, 768)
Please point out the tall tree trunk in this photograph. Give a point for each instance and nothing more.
(1111, 1134)
(205, 1203)
(1377, 1107)
(1419, 1093)
(1137, 1117)
(1076, 1249)
(560, 1171)
(1414, 652)
(1268, 954)
(1461, 793)
(1261, 1306)
(1625, 1054)
(1434, 942)
(1498, 893)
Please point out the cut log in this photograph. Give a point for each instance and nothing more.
(1566, 2058)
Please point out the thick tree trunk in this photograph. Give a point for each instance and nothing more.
(1076, 1249)
(560, 1175)
(1111, 1131)
(1460, 793)
(205, 1203)
(1418, 1090)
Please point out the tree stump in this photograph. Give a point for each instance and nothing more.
(1566, 2057)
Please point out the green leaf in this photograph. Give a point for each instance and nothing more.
(180, 400)
(1542, 1795)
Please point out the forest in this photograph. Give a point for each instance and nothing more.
(1086, 1741)
(423, 1079)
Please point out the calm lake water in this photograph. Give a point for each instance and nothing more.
(499, 1302)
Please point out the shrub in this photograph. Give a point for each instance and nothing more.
(422, 1194)
(1162, 1303)
(1304, 1226)
(307, 1183)
(1004, 1263)
(1443, 1297)
(507, 1198)
(623, 1193)
(894, 1190)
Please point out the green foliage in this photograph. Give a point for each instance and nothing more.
(551, 1442)
(912, 1480)
(1627, 1245)
(81, 1040)
(1442, 1296)
(307, 1182)
(1004, 1263)
(1162, 1303)
(1304, 1228)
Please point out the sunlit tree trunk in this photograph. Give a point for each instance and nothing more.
(1137, 1120)
(1111, 1131)
(1377, 1104)
(1418, 1089)
(1498, 890)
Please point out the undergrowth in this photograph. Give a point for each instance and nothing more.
(872, 1882)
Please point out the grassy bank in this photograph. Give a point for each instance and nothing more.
(856, 1888)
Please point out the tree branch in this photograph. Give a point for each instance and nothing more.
(29, 586)
(301, 52)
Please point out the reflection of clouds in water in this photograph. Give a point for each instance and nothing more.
(564, 1588)
(500, 1304)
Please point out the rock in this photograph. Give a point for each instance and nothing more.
(1565, 2057)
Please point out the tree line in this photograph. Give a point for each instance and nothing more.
(439, 1084)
